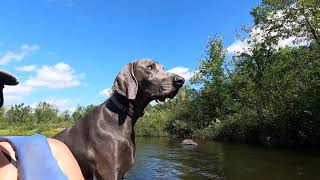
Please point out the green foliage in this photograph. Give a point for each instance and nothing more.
(270, 95)
(44, 118)
(279, 19)
(45, 112)
(19, 113)
(82, 111)
(153, 122)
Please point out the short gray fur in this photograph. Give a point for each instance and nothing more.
(103, 142)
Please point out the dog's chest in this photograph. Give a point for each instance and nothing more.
(124, 156)
(125, 151)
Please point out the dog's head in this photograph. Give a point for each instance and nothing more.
(148, 77)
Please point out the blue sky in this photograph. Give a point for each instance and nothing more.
(67, 52)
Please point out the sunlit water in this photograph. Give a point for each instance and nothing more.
(162, 158)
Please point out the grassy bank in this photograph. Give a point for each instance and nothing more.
(29, 132)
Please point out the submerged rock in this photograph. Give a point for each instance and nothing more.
(189, 142)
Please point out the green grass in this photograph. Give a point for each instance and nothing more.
(19, 132)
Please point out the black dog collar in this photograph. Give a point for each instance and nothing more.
(124, 105)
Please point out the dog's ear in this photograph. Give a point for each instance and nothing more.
(126, 83)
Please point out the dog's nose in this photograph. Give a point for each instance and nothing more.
(178, 80)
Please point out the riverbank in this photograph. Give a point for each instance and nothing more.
(161, 120)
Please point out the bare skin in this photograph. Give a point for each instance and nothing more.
(60, 151)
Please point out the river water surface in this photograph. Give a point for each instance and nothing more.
(164, 158)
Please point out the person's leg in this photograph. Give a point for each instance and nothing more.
(7, 170)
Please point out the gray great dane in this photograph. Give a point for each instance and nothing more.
(103, 142)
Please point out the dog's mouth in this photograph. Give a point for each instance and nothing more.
(168, 90)
(161, 99)
(170, 95)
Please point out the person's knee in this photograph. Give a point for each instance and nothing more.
(65, 159)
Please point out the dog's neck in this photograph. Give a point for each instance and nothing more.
(141, 101)
(132, 108)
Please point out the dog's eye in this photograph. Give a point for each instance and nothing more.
(150, 67)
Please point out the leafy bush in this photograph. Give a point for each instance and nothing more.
(45, 118)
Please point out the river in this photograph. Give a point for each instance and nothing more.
(164, 158)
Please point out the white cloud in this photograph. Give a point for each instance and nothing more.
(14, 94)
(24, 51)
(106, 92)
(293, 42)
(259, 33)
(182, 71)
(26, 68)
(258, 36)
(57, 102)
(238, 46)
(60, 75)
(62, 104)
(29, 48)
(33, 105)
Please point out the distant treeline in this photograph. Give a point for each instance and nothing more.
(267, 94)
(44, 118)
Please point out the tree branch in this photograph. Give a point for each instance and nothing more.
(312, 30)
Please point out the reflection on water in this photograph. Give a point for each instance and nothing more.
(162, 158)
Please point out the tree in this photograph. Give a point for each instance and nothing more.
(277, 20)
(19, 113)
(81, 111)
(45, 112)
(211, 75)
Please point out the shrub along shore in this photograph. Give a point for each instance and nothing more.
(44, 119)
(267, 94)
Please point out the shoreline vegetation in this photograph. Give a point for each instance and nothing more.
(265, 94)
